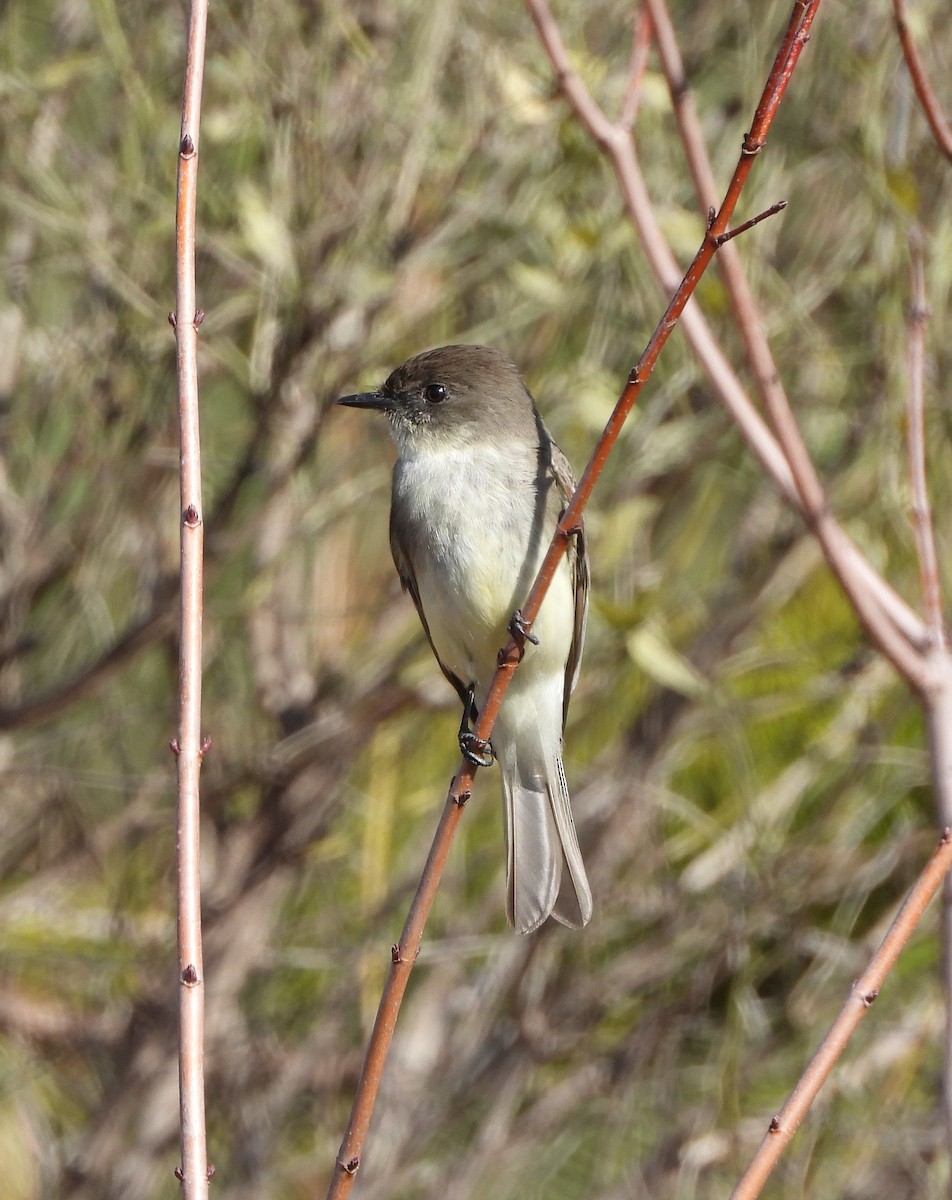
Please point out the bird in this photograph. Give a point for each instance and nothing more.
(478, 488)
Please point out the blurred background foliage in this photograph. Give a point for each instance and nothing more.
(750, 781)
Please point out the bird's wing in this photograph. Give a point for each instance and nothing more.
(577, 554)
(401, 560)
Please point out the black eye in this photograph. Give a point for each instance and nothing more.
(435, 393)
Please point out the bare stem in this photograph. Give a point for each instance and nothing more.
(405, 952)
(403, 955)
(862, 994)
(939, 722)
(188, 745)
(637, 65)
(941, 130)
(921, 509)
(772, 211)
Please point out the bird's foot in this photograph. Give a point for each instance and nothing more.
(476, 749)
(521, 632)
(521, 629)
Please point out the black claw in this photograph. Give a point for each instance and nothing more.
(476, 749)
(520, 629)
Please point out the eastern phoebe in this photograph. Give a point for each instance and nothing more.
(478, 488)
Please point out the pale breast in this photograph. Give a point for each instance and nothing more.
(471, 527)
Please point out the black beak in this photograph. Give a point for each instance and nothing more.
(368, 400)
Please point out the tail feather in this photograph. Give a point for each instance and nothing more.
(573, 905)
(534, 858)
(545, 873)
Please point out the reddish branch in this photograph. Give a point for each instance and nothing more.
(404, 953)
(862, 994)
(188, 745)
(941, 130)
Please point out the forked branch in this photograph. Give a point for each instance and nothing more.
(890, 623)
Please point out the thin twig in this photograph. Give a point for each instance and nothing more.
(921, 509)
(723, 238)
(403, 955)
(189, 746)
(637, 65)
(685, 113)
(941, 130)
(939, 725)
(862, 994)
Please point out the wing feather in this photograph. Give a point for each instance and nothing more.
(404, 565)
(577, 555)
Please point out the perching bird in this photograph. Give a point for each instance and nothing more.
(478, 488)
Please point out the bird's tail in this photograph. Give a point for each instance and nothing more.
(545, 873)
